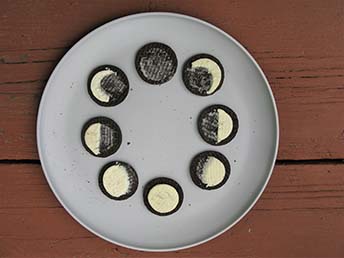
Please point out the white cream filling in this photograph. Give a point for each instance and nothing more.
(96, 88)
(116, 180)
(213, 68)
(163, 198)
(213, 172)
(92, 138)
(225, 125)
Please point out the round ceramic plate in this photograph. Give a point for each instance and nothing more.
(159, 130)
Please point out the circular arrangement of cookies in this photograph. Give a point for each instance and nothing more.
(156, 64)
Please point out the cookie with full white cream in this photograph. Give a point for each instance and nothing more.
(101, 136)
(203, 74)
(210, 170)
(156, 63)
(108, 85)
(217, 124)
(163, 196)
(118, 180)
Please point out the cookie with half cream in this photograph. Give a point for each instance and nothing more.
(101, 136)
(163, 196)
(203, 74)
(156, 63)
(217, 124)
(210, 170)
(118, 180)
(108, 85)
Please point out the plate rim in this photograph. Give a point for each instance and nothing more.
(113, 22)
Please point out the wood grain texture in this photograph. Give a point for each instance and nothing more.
(299, 45)
(301, 214)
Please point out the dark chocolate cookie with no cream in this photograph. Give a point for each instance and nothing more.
(163, 196)
(101, 136)
(203, 74)
(209, 170)
(156, 63)
(217, 124)
(108, 85)
(118, 180)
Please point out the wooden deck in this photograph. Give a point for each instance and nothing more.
(300, 47)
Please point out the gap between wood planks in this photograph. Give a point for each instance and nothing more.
(280, 162)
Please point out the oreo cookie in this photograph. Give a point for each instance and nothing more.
(101, 136)
(118, 180)
(203, 74)
(217, 124)
(156, 63)
(108, 85)
(163, 196)
(210, 170)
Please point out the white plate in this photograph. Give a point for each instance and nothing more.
(160, 123)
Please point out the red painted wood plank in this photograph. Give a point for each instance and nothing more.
(301, 214)
(298, 44)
